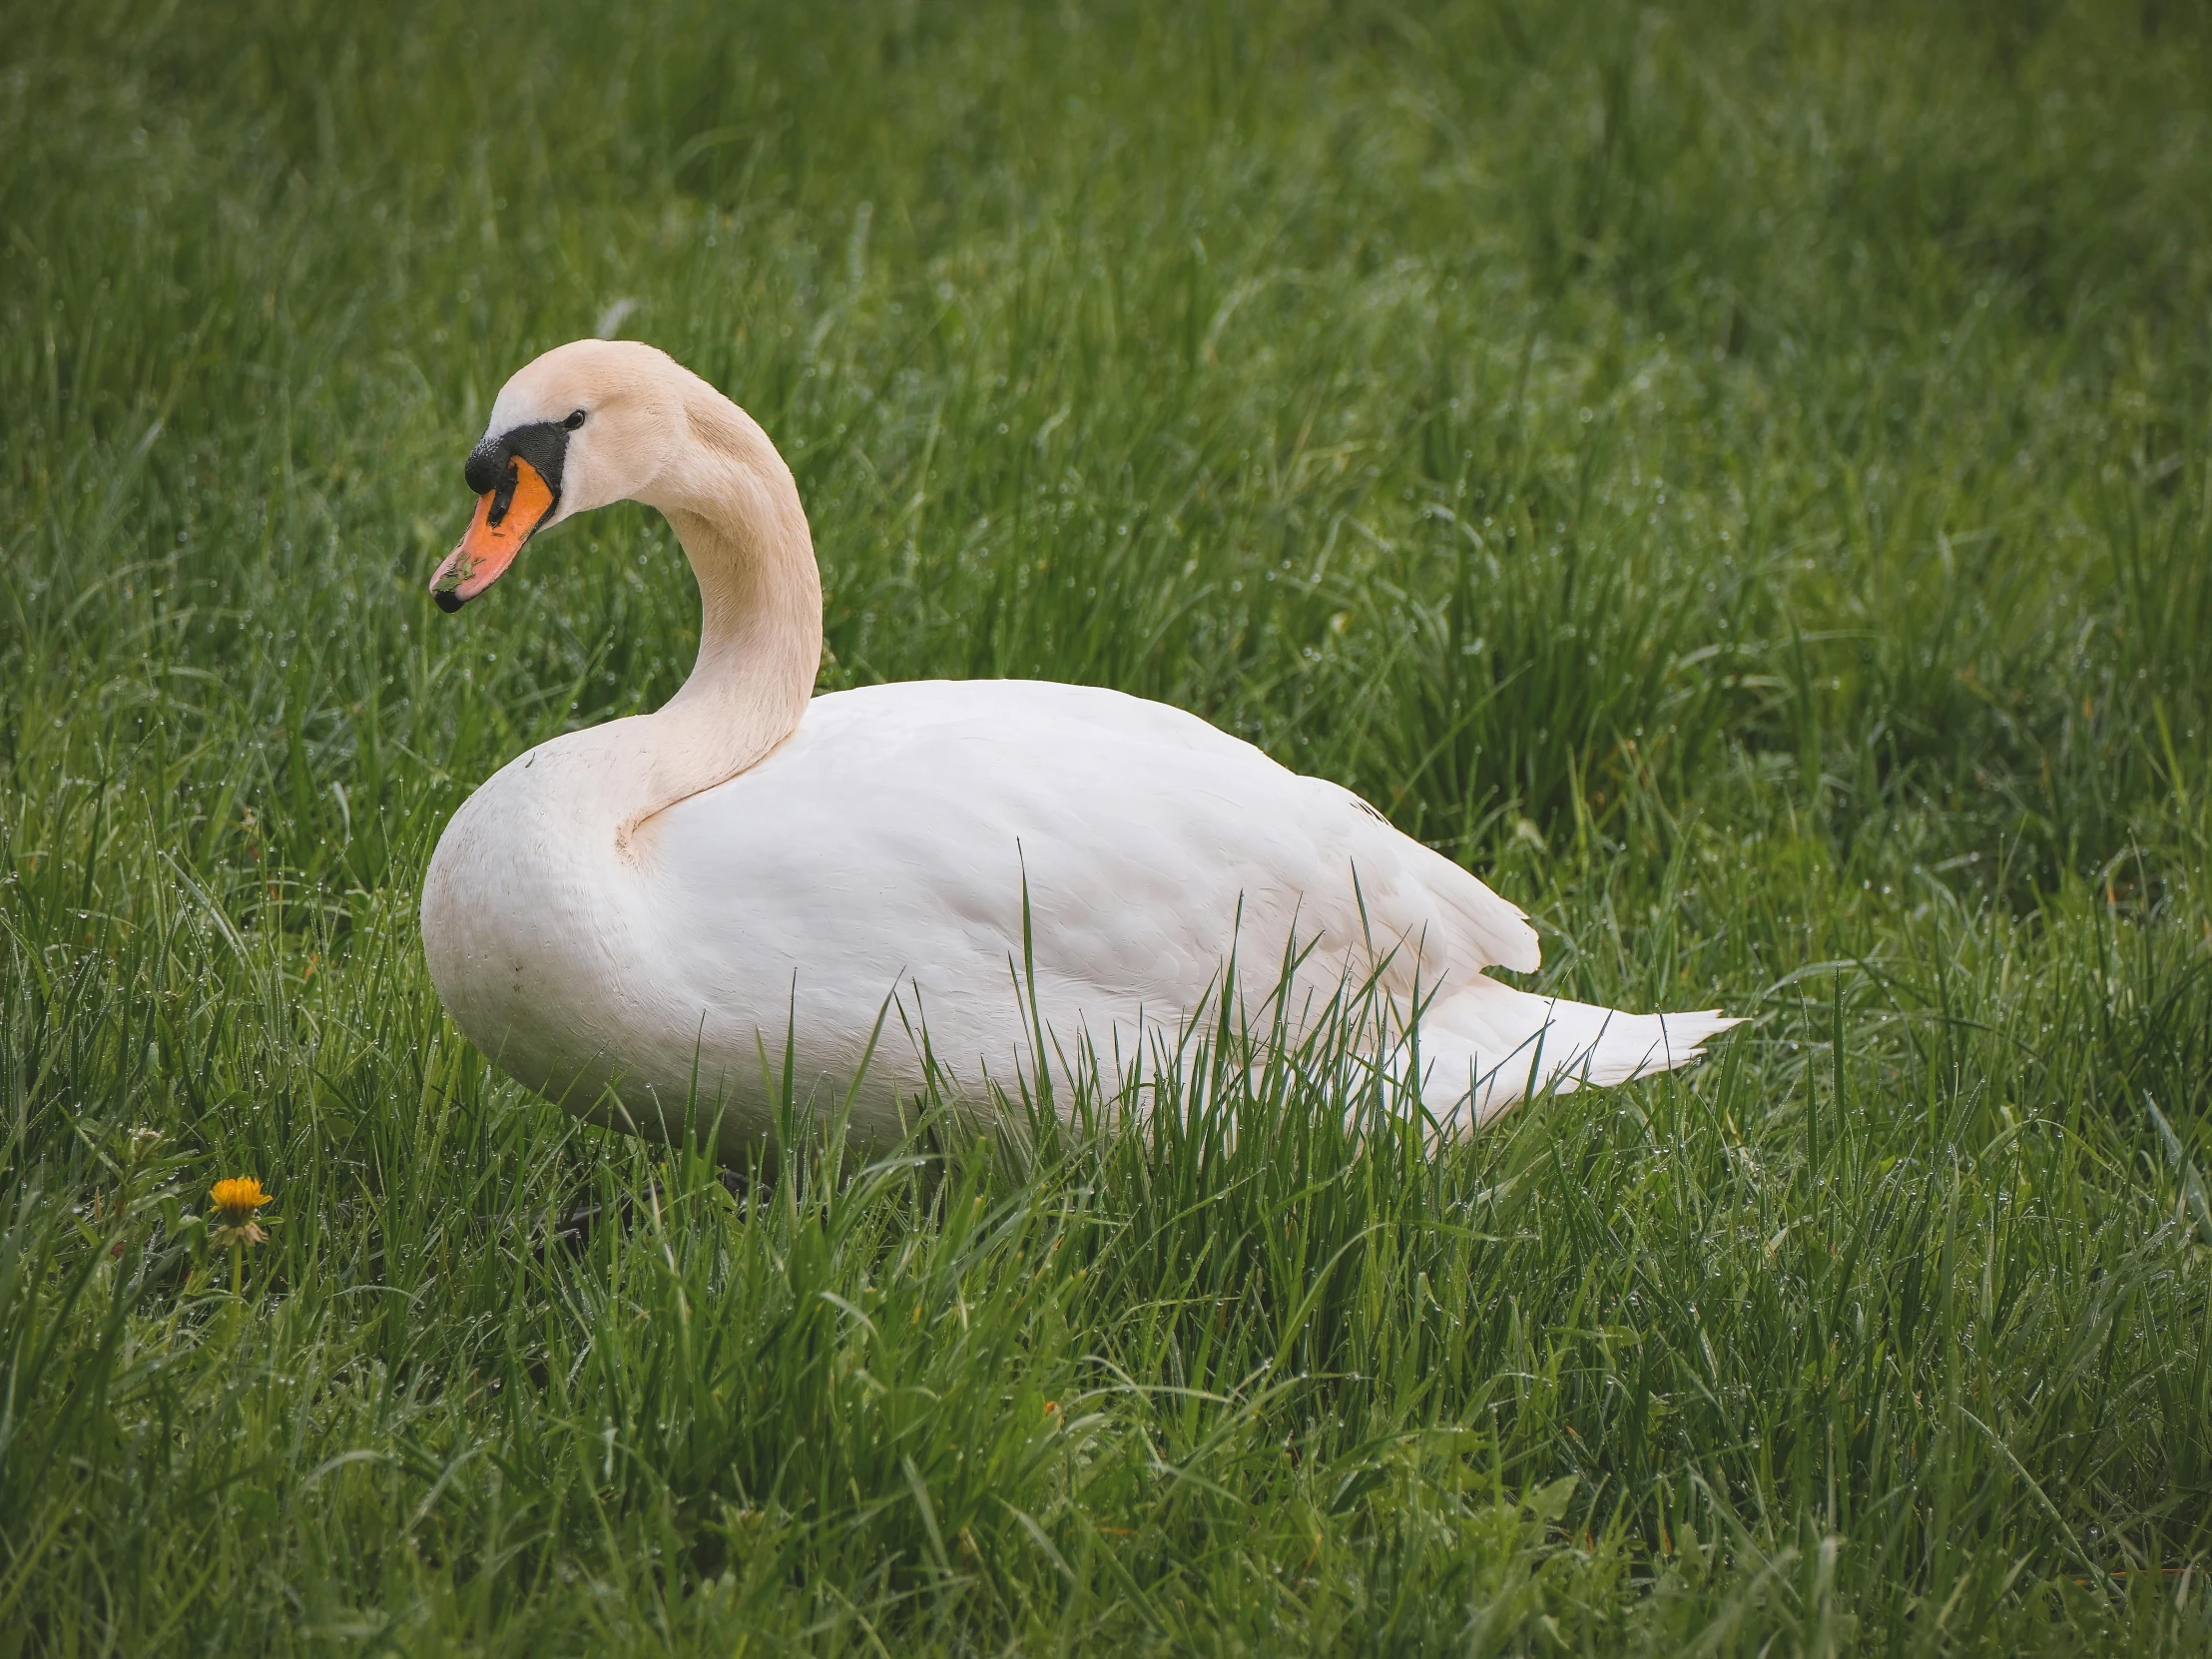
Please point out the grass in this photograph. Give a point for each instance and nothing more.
(1738, 475)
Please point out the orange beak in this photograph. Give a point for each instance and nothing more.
(505, 518)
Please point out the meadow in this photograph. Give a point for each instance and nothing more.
(1734, 474)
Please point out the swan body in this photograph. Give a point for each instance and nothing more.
(639, 919)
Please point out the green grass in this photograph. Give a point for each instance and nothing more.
(1736, 475)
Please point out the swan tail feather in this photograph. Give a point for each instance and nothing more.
(1485, 1047)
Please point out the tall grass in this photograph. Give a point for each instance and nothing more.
(1737, 476)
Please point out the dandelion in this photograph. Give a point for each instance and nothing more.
(236, 1199)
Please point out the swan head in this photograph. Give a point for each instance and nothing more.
(587, 424)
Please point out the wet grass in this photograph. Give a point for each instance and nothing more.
(1736, 475)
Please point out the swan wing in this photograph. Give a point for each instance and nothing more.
(898, 834)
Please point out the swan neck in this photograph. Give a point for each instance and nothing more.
(735, 509)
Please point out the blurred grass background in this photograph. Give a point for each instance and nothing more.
(1736, 474)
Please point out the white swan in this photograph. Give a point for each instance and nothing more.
(654, 902)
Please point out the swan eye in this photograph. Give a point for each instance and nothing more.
(575, 420)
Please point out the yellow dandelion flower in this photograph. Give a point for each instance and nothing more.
(238, 1196)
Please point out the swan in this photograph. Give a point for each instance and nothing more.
(646, 920)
